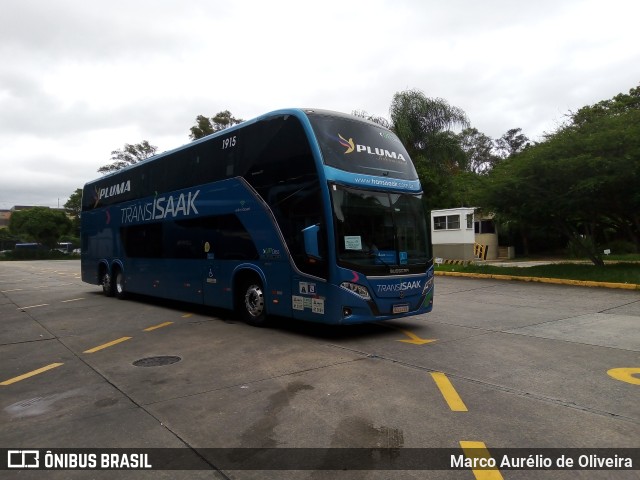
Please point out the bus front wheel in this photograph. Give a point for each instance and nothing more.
(251, 303)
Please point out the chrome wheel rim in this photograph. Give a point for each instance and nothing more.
(254, 300)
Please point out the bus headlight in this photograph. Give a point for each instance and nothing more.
(359, 290)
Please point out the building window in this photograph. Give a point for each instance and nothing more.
(448, 222)
(469, 220)
(485, 226)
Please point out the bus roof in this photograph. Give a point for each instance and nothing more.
(298, 112)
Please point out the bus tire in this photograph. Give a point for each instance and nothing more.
(251, 302)
(108, 285)
(120, 292)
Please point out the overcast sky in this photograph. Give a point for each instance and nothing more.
(80, 78)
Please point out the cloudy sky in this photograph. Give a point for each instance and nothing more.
(80, 78)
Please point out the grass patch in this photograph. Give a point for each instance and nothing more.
(623, 272)
(629, 257)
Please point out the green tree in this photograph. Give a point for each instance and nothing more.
(383, 122)
(425, 127)
(206, 126)
(418, 120)
(7, 240)
(73, 207)
(512, 142)
(479, 149)
(74, 204)
(129, 155)
(582, 180)
(40, 224)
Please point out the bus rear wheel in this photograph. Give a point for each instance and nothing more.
(108, 286)
(251, 303)
(119, 285)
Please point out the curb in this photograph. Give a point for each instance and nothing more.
(557, 281)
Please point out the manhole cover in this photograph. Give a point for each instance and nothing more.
(157, 361)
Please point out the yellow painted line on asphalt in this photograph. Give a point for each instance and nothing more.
(479, 451)
(33, 306)
(31, 374)
(72, 300)
(415, 339)
(187, 315)
(107, 345)
(449, 392)
(625, 375)
(155, 327)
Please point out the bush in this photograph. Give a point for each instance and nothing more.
(578, 247)
(621, 247)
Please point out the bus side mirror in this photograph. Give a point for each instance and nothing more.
(310, 235)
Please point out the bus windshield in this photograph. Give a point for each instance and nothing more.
(379, 230)
(361, 147)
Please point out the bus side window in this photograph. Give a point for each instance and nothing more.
(143, 241)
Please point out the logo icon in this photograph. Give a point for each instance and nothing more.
(96, 197)
(23, 458)
(380, 152)
(348, 144)
(242, 207)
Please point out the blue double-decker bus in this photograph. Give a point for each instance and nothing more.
(308, 214)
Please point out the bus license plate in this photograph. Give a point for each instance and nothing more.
(404, 308)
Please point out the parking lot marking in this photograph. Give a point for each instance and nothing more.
(449, 392)
(30, 374)
(187, 315)
(414, 339)
(33, 306)
(72, 300)
(478, 450)
(625, 375)
(12, 290)
(165, 324)
(107, 345)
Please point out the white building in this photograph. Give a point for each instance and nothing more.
(456, 231)
(452, 233)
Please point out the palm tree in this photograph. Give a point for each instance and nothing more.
(424, 124)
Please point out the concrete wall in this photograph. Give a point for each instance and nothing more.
(456, 251)
(491, 240)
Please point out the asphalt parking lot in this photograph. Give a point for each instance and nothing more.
(499, 364)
